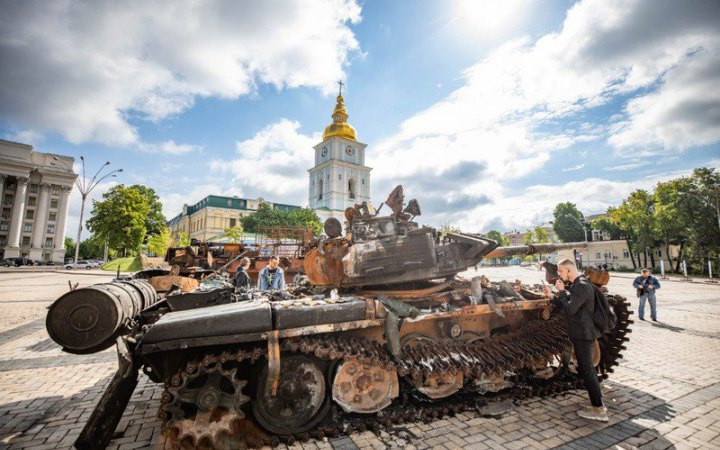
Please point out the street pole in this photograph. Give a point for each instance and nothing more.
(77, 242)
(85, 188)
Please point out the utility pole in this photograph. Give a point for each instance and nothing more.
(85, 188)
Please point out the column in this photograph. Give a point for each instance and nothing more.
(62, 218)
(17, 213)
(41, 217)
(2, 189)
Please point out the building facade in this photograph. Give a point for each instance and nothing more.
(35, 191)
(340, 178)
(210, 217)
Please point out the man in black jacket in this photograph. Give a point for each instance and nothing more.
(242, 279)
(578, 303)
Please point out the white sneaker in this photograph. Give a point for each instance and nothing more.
(592, 414)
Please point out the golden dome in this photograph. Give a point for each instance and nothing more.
(340, 127)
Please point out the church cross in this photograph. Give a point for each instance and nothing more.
(340, 84)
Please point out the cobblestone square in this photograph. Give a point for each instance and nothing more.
(664, 394)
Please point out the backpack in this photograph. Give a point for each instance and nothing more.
(603, 317)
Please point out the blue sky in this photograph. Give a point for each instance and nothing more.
(490, 113)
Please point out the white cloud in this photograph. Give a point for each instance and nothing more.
(169, 148)
(574, 168)
(683, 112)
(527, 100)
(31, 137)
(84, 69)
(272, 164)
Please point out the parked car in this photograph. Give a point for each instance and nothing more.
(23, 262)
(69, 261)
(7, 262)
(49, 263)
(82, 264)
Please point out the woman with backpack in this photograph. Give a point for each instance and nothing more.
(578, 304)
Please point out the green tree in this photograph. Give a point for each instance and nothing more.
(265, 216)
(306, 218)
(155, 221)
(69, 247)
(234, 234)
(497, 237)
(568, 223)
(92, 247)
(159, 243)
(636, 214)
(605, 224)
(121, 216)
(182, 240)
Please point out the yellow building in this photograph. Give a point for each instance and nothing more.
(615, 254)
(210, 217)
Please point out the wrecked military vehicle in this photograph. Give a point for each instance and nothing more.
(383, 333)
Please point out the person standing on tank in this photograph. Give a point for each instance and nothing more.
(271, 277)
(646, 285)
(577, 302)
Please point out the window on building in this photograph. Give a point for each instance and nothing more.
(320, 190)
(597, 255)
(626, 254)
(229, 202)
(33, 188)
(31, 201)
(8, 200)
(4, 226)
(3, 241)
(6, 213)
(233, 222)
(363, 181)
(52, 216)
(25, 242)
(351, 187)
(56, 190)
(54, 203)
(30, 214)
(51, 229)
(659, 253)
(27, 228)
(10, 186)
(48, 243)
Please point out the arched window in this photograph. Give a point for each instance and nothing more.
(320, 189)
(351, 187)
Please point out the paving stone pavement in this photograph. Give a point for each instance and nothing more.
(665, 393)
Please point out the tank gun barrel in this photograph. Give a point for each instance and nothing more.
(532, 249)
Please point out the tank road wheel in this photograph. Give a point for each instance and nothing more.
(302, 399)
(203, 405)
(364, 388)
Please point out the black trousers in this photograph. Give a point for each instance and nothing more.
(584, 356)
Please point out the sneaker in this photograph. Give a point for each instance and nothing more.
(654, 320)
(591, 414)
(642, 319)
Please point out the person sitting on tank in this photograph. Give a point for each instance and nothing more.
(577, 301)
(241, 280)
(271, 277)
(646, 285)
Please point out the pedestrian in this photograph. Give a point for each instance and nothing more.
(577, 302)
(646, 285)
(242, 279)
(271, 277)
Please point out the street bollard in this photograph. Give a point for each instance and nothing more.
(662, 269)
(684, 266)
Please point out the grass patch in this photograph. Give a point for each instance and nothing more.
(129, 264)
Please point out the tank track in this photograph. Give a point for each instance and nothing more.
(535, 343)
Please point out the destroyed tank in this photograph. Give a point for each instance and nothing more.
(384, 332)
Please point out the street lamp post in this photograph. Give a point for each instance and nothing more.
(85, 188)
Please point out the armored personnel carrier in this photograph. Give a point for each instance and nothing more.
(384, 332)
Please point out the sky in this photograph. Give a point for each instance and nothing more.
(489, 113)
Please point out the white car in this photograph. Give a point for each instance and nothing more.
(82, 265)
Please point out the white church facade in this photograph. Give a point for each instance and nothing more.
(340, 179)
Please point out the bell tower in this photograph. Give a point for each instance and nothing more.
(340, 178)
